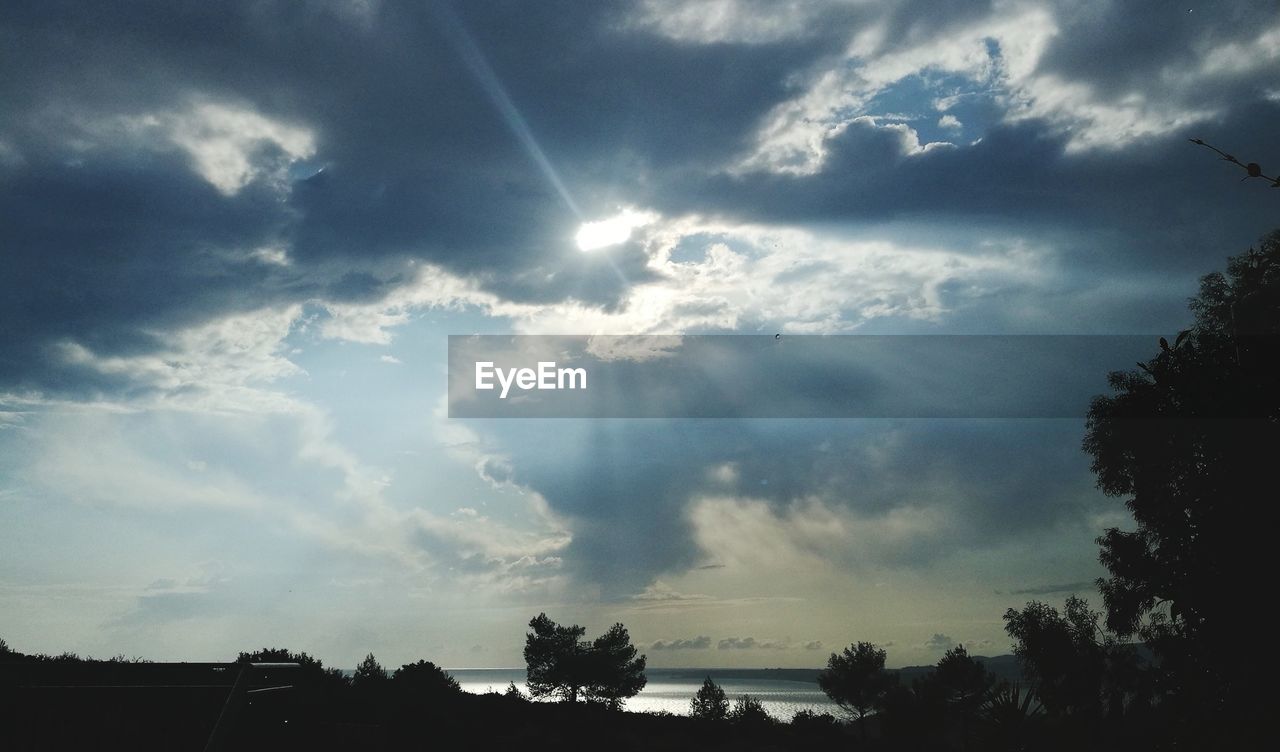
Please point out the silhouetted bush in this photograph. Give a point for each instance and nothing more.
(325, 691)
(423, 683)
(1010, 718)
(809, 721)
(749, 711)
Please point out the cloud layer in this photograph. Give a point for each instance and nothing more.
(235, 236)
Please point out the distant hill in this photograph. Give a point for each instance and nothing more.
(1003, 666)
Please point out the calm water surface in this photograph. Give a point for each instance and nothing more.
(672, 689)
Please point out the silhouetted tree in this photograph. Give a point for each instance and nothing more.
(856, 681)
(369, 673)
(749, 711)
(615, 671)
(709, 702)
(424, 683)
(1061, 652)
(964, 683)
(1190, 442)
(555, 660)
(1083, 674)
(560, 664)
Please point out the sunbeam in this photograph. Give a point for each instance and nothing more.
(488, 80)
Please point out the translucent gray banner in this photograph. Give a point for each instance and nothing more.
(785, 376)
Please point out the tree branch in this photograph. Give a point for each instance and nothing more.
(1253, 169)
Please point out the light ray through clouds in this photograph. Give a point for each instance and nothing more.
(497, 93)
(484, 74)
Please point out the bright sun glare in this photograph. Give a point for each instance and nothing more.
(612, 231)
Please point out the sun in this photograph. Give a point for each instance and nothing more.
(611, 231)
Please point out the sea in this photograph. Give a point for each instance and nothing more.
(783, 692)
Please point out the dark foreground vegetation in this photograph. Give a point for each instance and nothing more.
(1188, 441)
(66, 703)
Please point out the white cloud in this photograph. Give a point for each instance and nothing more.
(793, 137)
(949, 121)
(1095, 123)
(518, 557)
(214, 365)
(1000, 55)
(480, 534)
(1234, 58)
(661, 592)
(717, 21)
(229, 145)
(807, 534)
(224, 143)
(726, 472)
(749, 277)
(271, 255)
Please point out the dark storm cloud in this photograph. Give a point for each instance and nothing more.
(1166, 205)
(1156, 204)
(1068, 587)
(1120, 47)
(107, 238)
(105, 250)
(626, 485)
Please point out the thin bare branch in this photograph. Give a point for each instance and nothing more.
(1252, 169)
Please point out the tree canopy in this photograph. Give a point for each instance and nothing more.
(312, 668)
(1061, 652)
(614, 672)
(709, 702)
(856, 680)
(749, 711)
(369, 674)
(424, 680)
(963, 679)
(1188, 440)
(561, 664)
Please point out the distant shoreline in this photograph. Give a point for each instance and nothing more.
(1003, 666)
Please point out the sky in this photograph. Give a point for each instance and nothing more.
(235, 237)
